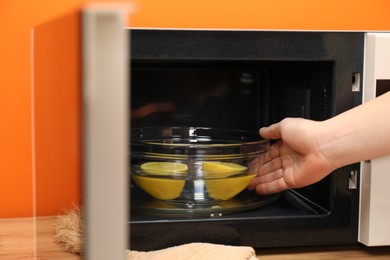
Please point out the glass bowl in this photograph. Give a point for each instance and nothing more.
(194, 164)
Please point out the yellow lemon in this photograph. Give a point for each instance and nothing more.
(161, 188)
(221, 184)
(222, 169)
(224, 189)
(164, 168)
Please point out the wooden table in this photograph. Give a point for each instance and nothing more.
(16, 242)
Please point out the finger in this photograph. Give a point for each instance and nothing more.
(273, 152)
(270, 177)
(276, 186)
(271, 132)
(270, 167)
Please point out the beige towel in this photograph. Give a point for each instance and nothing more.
(69, 233)
(197, 251)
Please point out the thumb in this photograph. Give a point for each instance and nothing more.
(271, 132)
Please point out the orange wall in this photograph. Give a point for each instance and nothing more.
(17, 17)
(257, 14)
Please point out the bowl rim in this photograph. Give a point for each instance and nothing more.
(192, 133)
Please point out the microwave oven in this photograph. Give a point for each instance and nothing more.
(266, 76)
(245, 80)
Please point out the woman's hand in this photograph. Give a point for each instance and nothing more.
(294, 160)
(306, 151)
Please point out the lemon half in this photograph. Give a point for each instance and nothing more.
(164, 168)
(161, 188)
(221, 184)
(224, 189)
(222, 169)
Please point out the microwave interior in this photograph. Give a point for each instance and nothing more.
(246, 92)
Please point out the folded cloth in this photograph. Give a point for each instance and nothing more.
(197, 251)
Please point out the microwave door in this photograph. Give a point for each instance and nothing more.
(374, 215)
(105, 132)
